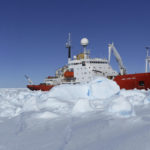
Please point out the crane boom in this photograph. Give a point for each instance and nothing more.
(111, 47)
(29, 80)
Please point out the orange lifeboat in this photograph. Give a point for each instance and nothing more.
(69, 74)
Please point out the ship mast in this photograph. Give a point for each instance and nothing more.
(147, 65)
(68, 45)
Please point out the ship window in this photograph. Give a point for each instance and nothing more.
(71, 69)
(141, 83)
(83, 63)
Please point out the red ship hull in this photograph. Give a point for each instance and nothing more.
(128, 82)
(131, 81)
(42, 87)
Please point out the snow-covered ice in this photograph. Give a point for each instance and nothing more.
(95, 115)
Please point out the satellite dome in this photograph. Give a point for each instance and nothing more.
(84, 41)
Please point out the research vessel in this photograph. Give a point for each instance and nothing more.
(82, 68)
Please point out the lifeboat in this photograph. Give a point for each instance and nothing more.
(69, 74)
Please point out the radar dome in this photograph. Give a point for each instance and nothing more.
(84, 41)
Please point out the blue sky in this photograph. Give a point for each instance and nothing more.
(33, 35)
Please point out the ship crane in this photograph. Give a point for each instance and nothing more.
(29, 80)
(111, 47)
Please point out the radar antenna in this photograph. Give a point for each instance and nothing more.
(68, 43)
(84, 42)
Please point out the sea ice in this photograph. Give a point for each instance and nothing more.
(68, 99)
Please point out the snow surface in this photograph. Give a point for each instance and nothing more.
(89, 116)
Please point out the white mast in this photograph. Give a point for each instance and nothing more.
(147, 65)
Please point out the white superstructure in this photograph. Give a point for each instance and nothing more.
(86, 68)
(81, 68)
